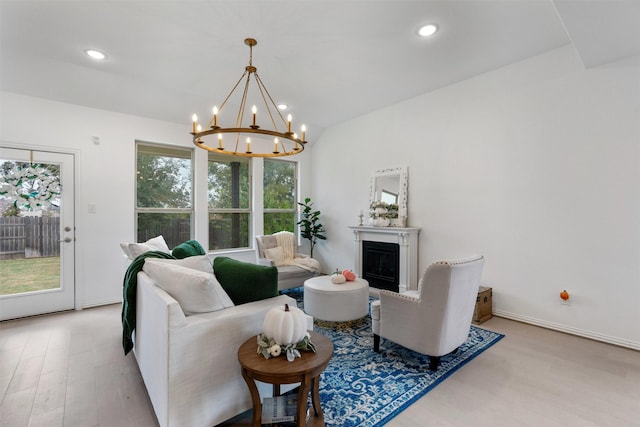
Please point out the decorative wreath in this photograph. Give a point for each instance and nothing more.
(30, 187)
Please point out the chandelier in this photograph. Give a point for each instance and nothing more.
(250, 140)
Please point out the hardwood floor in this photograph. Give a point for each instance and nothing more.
(68, 369)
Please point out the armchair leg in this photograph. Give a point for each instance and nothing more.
(376, 343)
(434, 362)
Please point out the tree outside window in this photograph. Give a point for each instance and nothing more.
(280, 201)
(163, 193)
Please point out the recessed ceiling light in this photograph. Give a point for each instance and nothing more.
(95, 54)
(282, 107)
(427, 30)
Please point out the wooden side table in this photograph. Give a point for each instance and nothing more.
(277, 370)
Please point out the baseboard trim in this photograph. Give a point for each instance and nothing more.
(93, 304)
(569, 330)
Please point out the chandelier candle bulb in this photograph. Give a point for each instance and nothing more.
(194, 118)
(275, 145)
(248, 145)
(304, 129)
(220, 142)
(254, 110)
(215, 116)
(289, 123)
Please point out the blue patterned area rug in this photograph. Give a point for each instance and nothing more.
(364, 388)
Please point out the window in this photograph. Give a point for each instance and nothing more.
(229, 201)
(280, 202)
(163, 193)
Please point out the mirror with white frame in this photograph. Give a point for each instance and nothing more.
(391, 186)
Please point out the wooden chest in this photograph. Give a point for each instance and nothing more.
(484, 307)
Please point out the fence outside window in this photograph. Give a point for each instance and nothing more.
(29, 237)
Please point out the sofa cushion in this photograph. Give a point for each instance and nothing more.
(188, 249)
(276, 255)
(195, 291)
(246, 282)
(294, 272)
(265, 242)
(200, 262)
(133, 250)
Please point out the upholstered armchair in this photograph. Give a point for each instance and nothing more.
(281, 250)
(434, 320)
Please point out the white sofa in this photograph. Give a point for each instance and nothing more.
(189, 364)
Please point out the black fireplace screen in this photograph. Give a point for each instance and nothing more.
(380, 265)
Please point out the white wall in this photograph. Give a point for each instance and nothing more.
(535, 165)
(106, 178)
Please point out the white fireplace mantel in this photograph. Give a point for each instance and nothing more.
(407, 240)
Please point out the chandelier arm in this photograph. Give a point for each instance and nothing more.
(228, 96)
(237, 142)
(243, 102)
(261, 85)
(263, 89)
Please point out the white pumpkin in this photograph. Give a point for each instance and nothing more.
(338, 278)
(286, 325)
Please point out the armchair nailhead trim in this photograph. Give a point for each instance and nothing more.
(398, 294)
(458, 262)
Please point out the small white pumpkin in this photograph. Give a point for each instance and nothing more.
(286, 325)
(338, 278)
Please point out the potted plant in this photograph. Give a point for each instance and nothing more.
(310, 226)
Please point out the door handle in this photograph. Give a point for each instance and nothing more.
(66, 240)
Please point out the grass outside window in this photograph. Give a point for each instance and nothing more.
(29, 274)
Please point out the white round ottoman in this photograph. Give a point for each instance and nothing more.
(325, 300)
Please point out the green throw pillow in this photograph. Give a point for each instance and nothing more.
(245, 282)
(187, 249)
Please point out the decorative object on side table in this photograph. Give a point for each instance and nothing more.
(284, 331)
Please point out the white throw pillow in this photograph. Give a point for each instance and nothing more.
(125, 249)
(195, 291)
(275, 254)
(155, 244)
(199, 262)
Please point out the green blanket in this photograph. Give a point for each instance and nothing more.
(130, 286)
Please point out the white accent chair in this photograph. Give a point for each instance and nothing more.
(434, 320)
(289, 276)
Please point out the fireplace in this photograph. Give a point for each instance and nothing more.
(380, 250)
(381, 265)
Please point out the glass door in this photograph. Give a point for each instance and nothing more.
(37, 233)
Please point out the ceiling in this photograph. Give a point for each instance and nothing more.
(328, 60)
